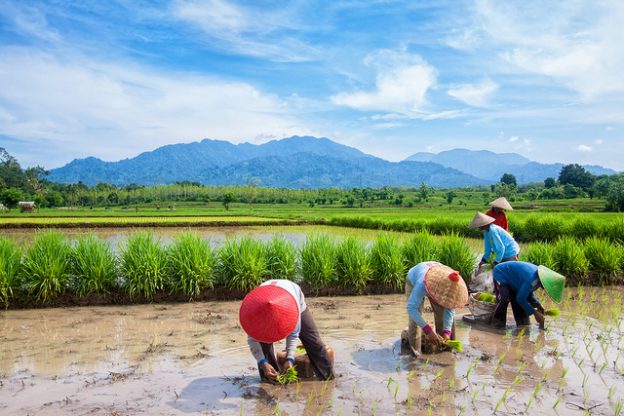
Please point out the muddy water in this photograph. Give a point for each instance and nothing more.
(186, 359)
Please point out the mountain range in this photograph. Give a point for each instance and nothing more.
(302, 162)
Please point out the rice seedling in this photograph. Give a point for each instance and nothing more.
(143, 265)
(618, 408)
(554, 312)
(93, 265)
(456, 253)
(426, 364)
(603, 257)
(281, 258)
(570, 258)
(318, 264)
(420, 247)
(10, 263)
(45, 266)
(556, 403)
(486, 297)
(583, 227)
(438, 375)
(539, 253)
(352, 263)
(289, 376)
(242, 264)
(454, 345)
(191, 264)
(503, 400)
(551, 228)
(386, 261)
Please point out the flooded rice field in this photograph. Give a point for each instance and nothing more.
(184, 359)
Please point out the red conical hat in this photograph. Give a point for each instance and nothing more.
(269, 313)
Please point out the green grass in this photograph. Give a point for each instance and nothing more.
(318, 261)
(456, 253)
(570, 259)
(191, 263)
(10, 264)
(143, 265)
(93, 266)
(242, 264)
(281, 258)
(420, 247)
(540, 254)
(386, 261)
(603, 258)
(352, 264)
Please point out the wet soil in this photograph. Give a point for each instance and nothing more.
(192, 358)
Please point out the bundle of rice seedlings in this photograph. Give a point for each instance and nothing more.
(191, 264)
(570, 259)
(281, 258)
(10, 263)
(554, 312)
(486, 297)
(456, 253)
(143, 265)
(454, 345)
(539, 253)
(386, 261)
(531, 229)
(551, 228)
(420, 247)
(93, 265)
(242, 264)
(603, 257)
(289, 376)
(318, 264)
(46, 266)
(352, 263)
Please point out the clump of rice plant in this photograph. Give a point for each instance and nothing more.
(10, 263)
(386, 261)
(486, 297)
(143, 265)
(318, 264)
(281, 258)
(531, 229)
(93, 265)
(191, 264)
(551, 228)
(46, 266)
(603, 257)
(456, 253)
(242, 264)
(614, 231)
(420, 247)
(352, 263)
(554, 312)
(454, 345)
(289, 376)
(583, 227)
(539, 253)
(569, 258)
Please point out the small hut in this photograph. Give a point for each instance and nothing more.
(27, 206)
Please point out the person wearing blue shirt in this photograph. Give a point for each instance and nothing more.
(496, 240)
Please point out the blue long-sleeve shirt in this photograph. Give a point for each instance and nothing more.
(497, 240)
(522, 278)
(416, 277)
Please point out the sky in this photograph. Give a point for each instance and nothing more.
(115, 78)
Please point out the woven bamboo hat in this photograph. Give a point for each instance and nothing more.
(446, 287)
(552, 282)
(501, 203)
(269, 313)
(480, 219)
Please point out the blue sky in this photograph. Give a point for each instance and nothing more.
(114, 78)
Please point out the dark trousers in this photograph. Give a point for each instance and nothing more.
(311, 340)
(506, 295)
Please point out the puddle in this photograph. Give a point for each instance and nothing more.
(183, 359)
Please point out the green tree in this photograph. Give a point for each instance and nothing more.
(424, 192)
(227, 199)
(576, 175)
(11, 196)
(450, 195)
(509, 179)
(550, 183)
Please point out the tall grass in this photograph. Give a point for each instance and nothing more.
(281, 258)
(614, 231)
(540, 254)
(456, 253)
(143, 265)
(242, 264)
(541, 228)
(46, 266)
(10, 263)
(570, 259)
(386, 261)
(191, 263)
(93, 266)
(420, 247)
(318, 262)
(353, 263)
(603, 257)
(583, 227)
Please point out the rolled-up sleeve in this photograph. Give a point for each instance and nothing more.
(447, 319)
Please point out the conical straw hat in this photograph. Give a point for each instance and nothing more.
(446, 287)
(502, 203)
(480, 220)
(269, 313)
(552, 281)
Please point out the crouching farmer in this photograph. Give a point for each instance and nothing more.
(276, 310)
(515, 282)
(446, 291)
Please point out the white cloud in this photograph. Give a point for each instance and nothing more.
(513, 139)
(598, 141)
(584, 148)
(476, 95)
(401, 84)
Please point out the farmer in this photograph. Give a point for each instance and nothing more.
(276, 310)
(496, 240)
(498, 212)
(446, 291)
(515, 282)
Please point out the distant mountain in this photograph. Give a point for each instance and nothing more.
(491, 166)
(295, 162)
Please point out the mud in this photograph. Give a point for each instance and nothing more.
(184, 359)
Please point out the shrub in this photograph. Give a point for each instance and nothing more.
(93, 265)
(281, 257)
(191, 265)
(420, 247)
(352, 263)
(386, 261)
(603, 257)
(540, 254)
(242, 264)
(143, 265)
(570, 259)
(456, 253)
(10, 263)
(46, 266)
(318, 264)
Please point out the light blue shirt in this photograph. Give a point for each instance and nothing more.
(416, 277)
(500, 242)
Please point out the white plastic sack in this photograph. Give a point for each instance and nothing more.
(482, 280)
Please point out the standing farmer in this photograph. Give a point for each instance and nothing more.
(515, 282)
(276, 310)
(498, 212)
(495, 240)
(446, 291)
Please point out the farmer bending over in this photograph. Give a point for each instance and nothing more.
(495, 240)
(276, 310)
(515, 282)
(446, 291)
